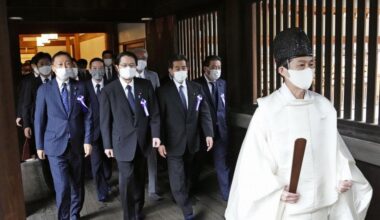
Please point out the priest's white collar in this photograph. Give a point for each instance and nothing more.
(289, 98)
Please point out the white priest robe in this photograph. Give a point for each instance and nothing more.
(264, 165)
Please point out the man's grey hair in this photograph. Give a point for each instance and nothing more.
(138, 50)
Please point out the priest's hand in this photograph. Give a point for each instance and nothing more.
(344, 186)
(289, 197)
(109, 153)
(41, 154)
(162, 151)
(87, 149)
(156, 142)
(210, 143)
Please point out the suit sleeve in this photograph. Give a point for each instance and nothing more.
(156, 79)
(154, 113)
(105, 120)
(27, 104)
(162, 109)
(20, 100)
(88, 123)
(205, 117)
(40, 118)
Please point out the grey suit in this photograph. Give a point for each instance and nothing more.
(152, 157)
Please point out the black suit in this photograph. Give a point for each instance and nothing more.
(181, 135)
(113, 75)
(218, 109)
(101, 166)
(27, 113)
(129, 133)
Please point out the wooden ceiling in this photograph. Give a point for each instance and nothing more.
(99, 10)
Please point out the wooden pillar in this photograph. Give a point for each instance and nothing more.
(12, 205)
(76, 46)
(68, 45)
(238, 59)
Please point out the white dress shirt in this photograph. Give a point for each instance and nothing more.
(94, 83)
(60, 86)
(184, 89)
(124, 85)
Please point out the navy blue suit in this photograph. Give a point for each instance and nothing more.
(219, 119)
(100, 164)
(61, 135)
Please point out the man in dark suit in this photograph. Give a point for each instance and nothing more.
(63, 132)
(130, 126)
(100, 164)
(144, 73)
(215, 90)
(111, 72)
(183, 114)
(83, 73)
(43, 62)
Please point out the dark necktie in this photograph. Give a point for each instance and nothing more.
(109, 73)
(65, 98)
(46, 80)
(98, 91)
(182, 96)
(214, 93)
(131, 99)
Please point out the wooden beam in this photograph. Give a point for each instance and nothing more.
(12, 206)
(89, 36)
(31, 44)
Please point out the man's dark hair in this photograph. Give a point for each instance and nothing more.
(210, 58)
(96, 59)
(107, 52)
(82, 63)
(61, 53)
(39, 56)
(177, 57)
(125, 53)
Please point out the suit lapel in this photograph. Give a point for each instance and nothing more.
(73, 95)
(120, 92)
(191, 95)
(138, 93)
(57, 93)
(176, 97)
(207, 92)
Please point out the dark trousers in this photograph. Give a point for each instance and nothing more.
(219, 153)
(179, 168)
(67, 175)
(101, 169)
(132, 185)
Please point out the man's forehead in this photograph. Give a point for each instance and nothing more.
(303, 59)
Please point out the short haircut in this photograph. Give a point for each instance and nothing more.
(136, 50)
(82, 63)
(177, 57)
(107, 52)
(125, 53)
(96, 59)
(210, 58)
(61, 53)
(39, 56)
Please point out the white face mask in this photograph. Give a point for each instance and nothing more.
(214, 75)
(45, 70)
(97, 74)
(301, 78)
(180, 76)
(127, 72)
(141, 65)
(63, 74)
(74, 73)
(108, 62)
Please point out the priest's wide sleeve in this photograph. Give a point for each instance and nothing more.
(256, 190)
